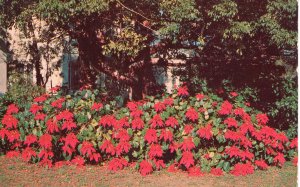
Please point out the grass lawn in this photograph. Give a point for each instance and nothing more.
(18, 173)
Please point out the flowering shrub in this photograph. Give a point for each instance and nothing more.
(178, 132)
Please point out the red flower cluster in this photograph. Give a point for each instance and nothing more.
(159, 134)
(151, 136)
(145, 168)
(171, 122)
(97, 106)
(261, 164)
(231, 122)
(187, 159)
(9, 121)
(58, 103)
(262, 119)
(117, 164)
(12, 109)
(108, 121)
(183, 91)
(192, 114)
(156, 121)
(205, 132)
(226, 108)
(242, 169)
(216, 171)
(159, 106)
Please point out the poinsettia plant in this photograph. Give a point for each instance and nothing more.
(197, 134)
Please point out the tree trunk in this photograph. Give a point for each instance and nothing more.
(89, 59)
(36, 57)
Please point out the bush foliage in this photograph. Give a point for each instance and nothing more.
(197, 134)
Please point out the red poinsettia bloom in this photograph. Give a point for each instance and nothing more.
(234, 136)
(200, 96)
(35, 108)
(12, 109)
(261, 164)
(239, 112)
(191, 114)
(87, 148)
(123, 147)
(155, 151)
(187, 144)
(95, 156)
(108, 147)
(137, 124)
(9, 121)
(97, 106)
(226, 108)
(295, 161)
(216, 171)
(195, 172)
(156, 121)
(13, 135)
(58, 103)
(172, 168)
(282, 137)
(52, 126)
(12, 154)
(166, 135)
(187, 159)
(171, 122)
(234, 94)
(78, 161)
(168, 101)
(187, 129)
(67, 150)
(247, 127)
(108, 121)
(151, 136)
(69, 125)
(231, 122)
(159, 164)
(132, 106)
(40, 116)
(45, 154)
(136, 113)
(123, 122)
(46, 141)
(66, 115)
(262, 119)
(41, 98)
(294, 143)
(45, 162)
(174, 146)
(145, 168)
(30, 139)
(280, 159)
(3, 133)
(28, 153)
(159, 107)
(268, 132)
(242, 169)
(246, 155)
(205, 132)
(117, 164)
(71, 140)
(182, 91)
(55, 89)
(233, 151)
(122, 135)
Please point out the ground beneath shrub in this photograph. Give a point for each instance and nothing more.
(18, 173)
